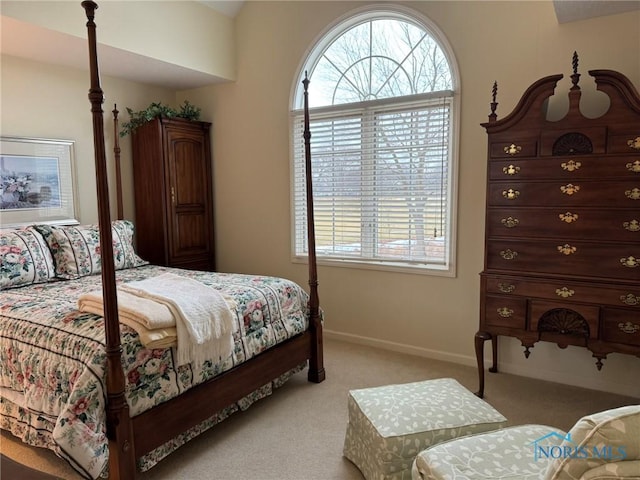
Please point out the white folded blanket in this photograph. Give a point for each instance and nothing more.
(170, 310)
(145, 311)
(204, 321)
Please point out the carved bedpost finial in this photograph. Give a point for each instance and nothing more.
(305, 82)
(494, 104)
(576, 76)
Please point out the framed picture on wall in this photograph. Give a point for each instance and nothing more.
(37, 182)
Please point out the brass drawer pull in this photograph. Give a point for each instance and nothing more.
(511, 170)
(506, 287)
(633, 167)
(629, 327)
(508, 254)
(567, 249)
(565, 292)
(634, 143)
(570, 189)
(571, 166)
(633, 194)
(630, 299)
(510, 194)
(510, 222)
(632, 226)
(631, 262)
(568, 217)
(505, 312)
(515, 149)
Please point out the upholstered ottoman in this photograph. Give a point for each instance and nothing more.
(506, 453)
(604, 445)
(389, 425)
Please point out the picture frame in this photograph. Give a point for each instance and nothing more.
(37, 182)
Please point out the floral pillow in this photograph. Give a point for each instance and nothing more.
(76, 249)
(24, 258)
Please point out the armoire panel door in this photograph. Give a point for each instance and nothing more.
(189, 185)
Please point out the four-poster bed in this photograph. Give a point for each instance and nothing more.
(278, 332)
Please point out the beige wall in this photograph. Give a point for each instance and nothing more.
(514, 43)
(48, 101)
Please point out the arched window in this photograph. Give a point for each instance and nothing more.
(382, 119)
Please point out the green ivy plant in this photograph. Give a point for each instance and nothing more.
(155, 110)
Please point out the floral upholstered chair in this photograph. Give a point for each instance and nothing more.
(602, 446)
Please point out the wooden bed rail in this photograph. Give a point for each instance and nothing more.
(119, 428)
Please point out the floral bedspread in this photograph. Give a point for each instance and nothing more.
(52, 357)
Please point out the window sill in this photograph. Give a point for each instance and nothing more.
(418, 269)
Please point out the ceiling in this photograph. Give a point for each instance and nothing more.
(29, 41)
(230, 8)
(574, 10)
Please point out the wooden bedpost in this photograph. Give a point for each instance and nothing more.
(116, 156)
(316, 362)
(122, 463)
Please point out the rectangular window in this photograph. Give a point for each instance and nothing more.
(382, 183)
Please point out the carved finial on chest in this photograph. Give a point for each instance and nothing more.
(494, 104)
(576, 76)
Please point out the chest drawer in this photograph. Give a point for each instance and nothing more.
(565, 291)
(622, 194)
(621, 326)
(505, 312)
(576, 223)
(564, 168)
(565, 319)
(615, 260)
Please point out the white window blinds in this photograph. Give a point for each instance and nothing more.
(381, 179)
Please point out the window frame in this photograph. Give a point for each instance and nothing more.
(310, 60)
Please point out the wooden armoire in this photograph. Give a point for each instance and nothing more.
(173, 189)
(562, 234)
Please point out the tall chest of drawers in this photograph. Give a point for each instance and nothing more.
(562, 233)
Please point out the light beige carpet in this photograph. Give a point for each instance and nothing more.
(298, 432)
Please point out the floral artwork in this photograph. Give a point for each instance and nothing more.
(29, 182)
(37, 182)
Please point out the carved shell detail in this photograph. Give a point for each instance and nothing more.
(573, 143)
(564, 321)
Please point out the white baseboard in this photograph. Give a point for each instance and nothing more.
(402, 348)
(547, 375)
